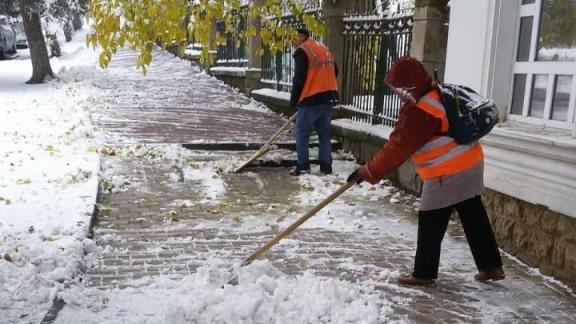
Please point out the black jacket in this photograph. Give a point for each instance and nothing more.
(300, 72)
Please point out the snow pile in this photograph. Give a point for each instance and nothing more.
(48, 180)
(263, 295)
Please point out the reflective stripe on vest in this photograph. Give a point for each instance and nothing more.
(442, 156)
(431, 104)
(321, 74)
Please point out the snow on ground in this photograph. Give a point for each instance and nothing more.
(263, 295)
(48, 178)
(48, 183)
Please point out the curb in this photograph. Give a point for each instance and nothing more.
(57, 303)
(235, 146)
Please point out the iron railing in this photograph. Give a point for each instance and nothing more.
(278, 69)
(371, 44)
(233, 52)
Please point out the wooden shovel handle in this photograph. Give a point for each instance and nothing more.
(282, 129)
(297, 223)
(266, 145)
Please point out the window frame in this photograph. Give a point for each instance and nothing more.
(532, 68)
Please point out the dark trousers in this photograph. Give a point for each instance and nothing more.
(432, 225)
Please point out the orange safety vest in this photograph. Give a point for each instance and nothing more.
(442, 156)
(321, 75)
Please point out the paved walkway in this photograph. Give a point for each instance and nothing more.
(175, 103)
(157, 219)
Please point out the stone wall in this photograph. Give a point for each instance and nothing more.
(537, 236)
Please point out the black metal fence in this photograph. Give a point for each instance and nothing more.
(371, 44)
(372, 41)
(278, 69)
(233, 52)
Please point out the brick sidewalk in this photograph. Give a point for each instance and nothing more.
(150, 231)
(175, 103)
(144, 242)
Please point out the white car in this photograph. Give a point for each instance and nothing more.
(7, 37)
(21, 41)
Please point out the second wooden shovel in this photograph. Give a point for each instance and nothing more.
(266, 145)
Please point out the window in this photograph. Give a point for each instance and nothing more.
(543, 89)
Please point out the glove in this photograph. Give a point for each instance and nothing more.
(355, 177)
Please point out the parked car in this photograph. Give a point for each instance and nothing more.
(7, 37)
(54, 35)
(21, 40)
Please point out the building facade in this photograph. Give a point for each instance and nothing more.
(522, 53)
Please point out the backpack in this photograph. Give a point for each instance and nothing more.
(470, 115)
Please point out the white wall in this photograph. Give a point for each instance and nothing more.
(467, 46)
(480, 54)
(481, 40)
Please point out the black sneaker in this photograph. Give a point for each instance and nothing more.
(297, 172)
(326, 172)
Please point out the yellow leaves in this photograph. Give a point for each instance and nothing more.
(121, 40)
(152, 11)
(266, 36)
(145, 57)
(102, 61)
(173, 216)
(250, 31)
(48, 238)
(24, 181)
(110, 151)
(221, 208)
(104, 210)
(139, 24)
(316, 26)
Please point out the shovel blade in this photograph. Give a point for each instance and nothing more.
(256, 155)
(233, 281)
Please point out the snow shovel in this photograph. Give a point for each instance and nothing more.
(266, 145)
(291, 228)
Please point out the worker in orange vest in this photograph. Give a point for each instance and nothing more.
(314, 92)
(452, 175)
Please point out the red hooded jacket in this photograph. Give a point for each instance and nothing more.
(414, 128)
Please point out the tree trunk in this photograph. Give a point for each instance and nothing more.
(38, 53)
